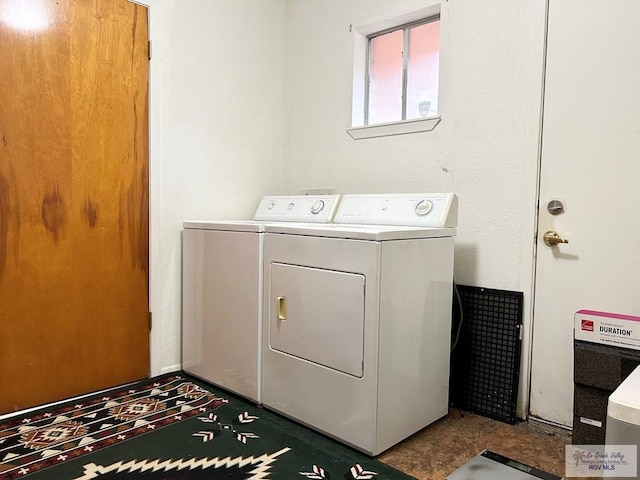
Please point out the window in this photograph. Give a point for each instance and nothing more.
(402, 72)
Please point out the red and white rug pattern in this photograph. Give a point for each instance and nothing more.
(31, 443)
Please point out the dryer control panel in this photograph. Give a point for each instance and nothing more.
(297, 208)
(436, 210)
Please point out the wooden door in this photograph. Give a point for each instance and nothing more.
(590, 162)
(73, 198)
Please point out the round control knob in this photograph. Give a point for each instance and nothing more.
(270, 205)
(423, 207)
(290, 206)
(317, 207)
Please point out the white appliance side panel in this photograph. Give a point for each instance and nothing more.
(340, 405)
(415, 336)
(221, 308)
(322, 317)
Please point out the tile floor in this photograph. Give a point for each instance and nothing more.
(436, 451)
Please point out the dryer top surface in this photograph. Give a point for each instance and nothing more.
(359, 232)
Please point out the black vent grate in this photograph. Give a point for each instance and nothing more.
(486, 361)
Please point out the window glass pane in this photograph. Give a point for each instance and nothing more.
(422, 70)
(385, 78)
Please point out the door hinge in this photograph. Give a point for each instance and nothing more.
(149, 49)
(150, 320)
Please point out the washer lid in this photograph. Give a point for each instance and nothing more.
(624, 402)
(359, 232)
(226, 225)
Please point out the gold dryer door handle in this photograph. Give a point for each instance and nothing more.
(552, 238)
(282, 308)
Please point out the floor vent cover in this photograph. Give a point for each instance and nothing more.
(485, 363)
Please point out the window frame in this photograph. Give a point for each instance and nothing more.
(405, 59)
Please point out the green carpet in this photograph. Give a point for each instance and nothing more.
(173, 428)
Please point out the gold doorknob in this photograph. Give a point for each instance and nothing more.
(552, 238)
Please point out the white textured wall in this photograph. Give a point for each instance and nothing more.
(485, 148)
(216, 132)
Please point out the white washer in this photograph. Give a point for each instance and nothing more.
(357, 318)
(222, 291)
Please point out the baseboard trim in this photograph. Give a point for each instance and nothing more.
(170, 369)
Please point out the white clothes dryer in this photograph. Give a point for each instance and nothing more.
(222, 291)
(357, 318)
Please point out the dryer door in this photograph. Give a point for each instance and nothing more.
(318, 315)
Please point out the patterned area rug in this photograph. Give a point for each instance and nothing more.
(173, 428)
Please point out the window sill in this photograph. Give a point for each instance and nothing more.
(394, 128)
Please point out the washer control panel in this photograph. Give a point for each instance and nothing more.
(297, 208)
(412, 209)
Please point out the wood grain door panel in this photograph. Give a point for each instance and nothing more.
(73, 199)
